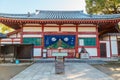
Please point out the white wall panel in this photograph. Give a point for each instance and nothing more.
(108, 48)
(13, 36)
(16, 39)
(113, 37)
(16, 42)
(118, 36)
(37, 52)
(86, 35)
(51, 29)
(68, 29)
(32, 29)
(6, 42)
(114, 47)
(86, 29)
(6, 39)
(32, 35)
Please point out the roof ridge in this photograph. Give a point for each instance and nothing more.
(12, 14)
(59, 14)
(61, 10)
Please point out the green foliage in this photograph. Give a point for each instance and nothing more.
(103, 6)
(5, 29)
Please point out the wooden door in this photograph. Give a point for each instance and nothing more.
(102, 49)
(118, 47)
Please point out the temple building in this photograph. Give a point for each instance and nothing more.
(65, 31)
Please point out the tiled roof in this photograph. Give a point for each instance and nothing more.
(59, 15)
(3, 35)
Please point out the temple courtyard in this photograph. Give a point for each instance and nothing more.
(73, 71)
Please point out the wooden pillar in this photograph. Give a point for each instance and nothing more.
(12, 40)
(42, 40)
(76, 44)
(110, 47)
(97, 42)
(59, 27)
(42, 35)
(117, 45)
(21, 38)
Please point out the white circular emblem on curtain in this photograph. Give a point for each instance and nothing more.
(66, 39)
(53, 39)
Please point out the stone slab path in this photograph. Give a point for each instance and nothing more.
(73, 71)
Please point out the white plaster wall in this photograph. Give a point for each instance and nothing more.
(37, 52)
(83, 35)
(16, 42)
(91, 51)
(6, 39)
(114, 45)
(32, 29)
(113, 38)
(6, 42)
(86, 29)
(68, 29)
(32, 35)
(108, 48)
(13, 36)
(87, 25)
(17, 39)
(51, 29)
(118, 36)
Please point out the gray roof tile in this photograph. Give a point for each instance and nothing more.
(3, 35)
(59, 15)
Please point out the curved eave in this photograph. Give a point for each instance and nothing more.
(44, 21)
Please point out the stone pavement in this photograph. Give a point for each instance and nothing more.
(73, 71)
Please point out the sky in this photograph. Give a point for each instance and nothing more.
(25, 6)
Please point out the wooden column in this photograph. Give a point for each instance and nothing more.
(21, 38)
(59, 27)
(76, 44)
(110, 46)
(42, 39)
(97, 42)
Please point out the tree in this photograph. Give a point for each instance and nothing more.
(5, 29)
(103, 6)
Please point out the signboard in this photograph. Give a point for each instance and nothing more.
(84, 55)
(81, 42)
(59, 54)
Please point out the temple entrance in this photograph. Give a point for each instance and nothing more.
(102, 49)
(118, 46)
(60, 43)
